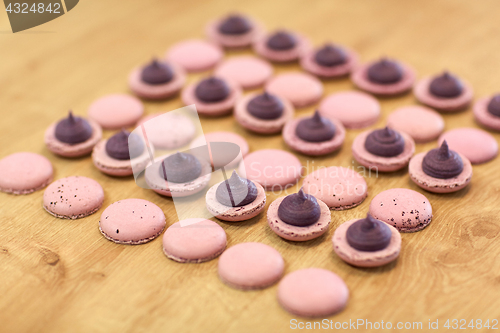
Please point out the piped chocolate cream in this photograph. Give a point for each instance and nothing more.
(124, 145)
(212, 90)
(180, 168)
(494, 105)
(299, 209)
(236, 191)
(265, 106)
(330, 55)
(385, 142)
(281, 41)
(385, 71)
(315, 129)
(157, 73)
(235, 25)
(446, 86)
(73, 130)
(369, 234)
(442, 162)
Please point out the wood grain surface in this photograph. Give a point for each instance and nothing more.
(63, 276)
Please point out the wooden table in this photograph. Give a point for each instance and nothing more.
(63, 276)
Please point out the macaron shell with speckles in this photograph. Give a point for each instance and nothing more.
(300, 89)
(482, 115)
(424, 96)
(476, 144)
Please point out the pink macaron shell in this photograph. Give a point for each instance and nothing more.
(114, 167)
(195, 55)
(436, 185)
(157, 91)
(194, 240)
(310, 65)
(73, 197)
(423, 95)
(360, 78)
(132, 221)
(216, 109)
(313, 292)
(234, 41)
(116, 111)
(381, 163)
(353, 108)
(303, 46)
(156, 182)
(235, 214)
(250, 266)
(313, 148)
(274, 169)
(222, 136)
(365, 258)
(72, 150)
(483, 117)
(247, 71)
(299, 88)
(24, 173)
(262, 126)
(295, 233)
(419, 122)
(402, 208)
(170, 131)
(338, 187)
(476, 144)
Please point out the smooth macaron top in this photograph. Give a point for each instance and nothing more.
(419, 122)
(477, 145)
(116, 111)
(24, 172)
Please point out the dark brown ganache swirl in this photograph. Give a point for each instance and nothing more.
(315, 129)
(236, 191)
(494, 105)
(281, 41)
(180, 168)
(385, 142)
(299, 209)
(265, 106)
(212, 90)
(124, 145)
(442, 163)
(235, 24)
(446, 86)
(330, 55)
(73, 130)
(156, 73)
(385, 71)
(369, 234)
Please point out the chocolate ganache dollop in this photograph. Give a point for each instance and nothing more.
(265, 106)
(235, 25)
(299, 209)
(385, 71)
(180, 168)
(212, 90)
(73, 129)
(446, 86)
(236, 191)
(385, 142)
(281, 41)
(442, 162)
(124, 145)
(157, 73)
(494, 105)
(315, 129)
(330, 55)
(369, 234)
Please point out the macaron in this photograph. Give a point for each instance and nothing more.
(116, 111)
(24, 173)
(121, 155)
(477, 145)
(222, 136)
(234, 31)
(313, 292)
(338, 187)
(72, 136)
(274, 169)
(250, 266)
(248, 72)
(329, 61)
(314, 136)
(367, 242)
(73, 197)
(444, 92)
(404, 209)
(440, 170)
(187, 174)
(236, 199)
(195, 55)
(354, 109)
(385, 77)
(157, 80)
(384, 150)
(194, 240)
(419, 122)
(263, 113)
(298, 217)
(132, 221)
(487, 112)
(282, 46)
(301, 89)
(212, 96)
(168, 130)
